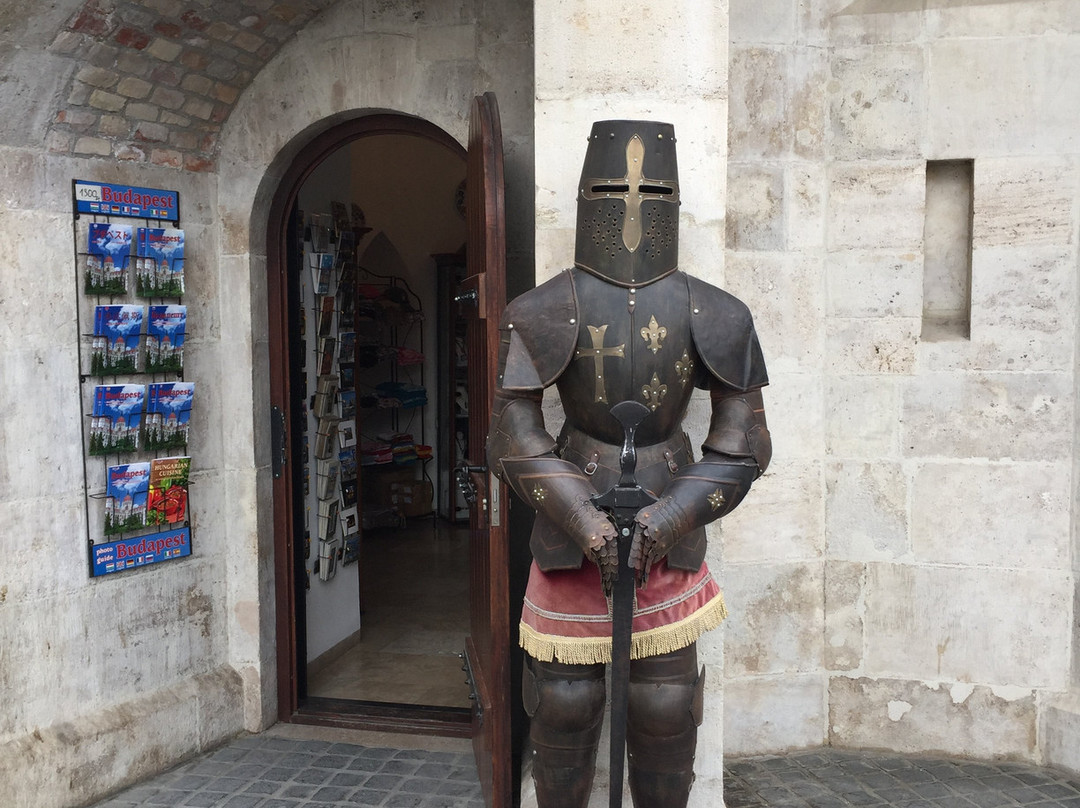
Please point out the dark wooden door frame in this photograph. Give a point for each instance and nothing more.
(288, 573)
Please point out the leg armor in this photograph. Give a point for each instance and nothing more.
(566, 706)
(665, 712)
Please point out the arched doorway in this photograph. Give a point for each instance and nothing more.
(481, 295)
(319, 609)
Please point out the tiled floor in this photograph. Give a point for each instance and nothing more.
(414, 587)
(284, 768)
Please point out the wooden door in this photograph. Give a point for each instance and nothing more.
(483, 298)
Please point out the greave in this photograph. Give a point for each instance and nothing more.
(566, 706)
(665, 712)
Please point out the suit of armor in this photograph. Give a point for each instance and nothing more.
(624, 324)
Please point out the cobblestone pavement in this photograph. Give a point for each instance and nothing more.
(275, 771)
(829, 778)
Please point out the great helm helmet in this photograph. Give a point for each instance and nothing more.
(628, 203)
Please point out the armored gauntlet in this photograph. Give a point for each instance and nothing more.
(735, 453)
(522, 453)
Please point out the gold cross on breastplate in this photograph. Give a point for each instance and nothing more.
(597, 353)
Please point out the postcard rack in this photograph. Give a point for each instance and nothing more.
(129, 259)
(362, 335)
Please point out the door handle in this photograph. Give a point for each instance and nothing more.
(464, 482)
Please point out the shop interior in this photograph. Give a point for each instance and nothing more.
(379, 363)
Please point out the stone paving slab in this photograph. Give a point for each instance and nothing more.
(266, 771)
(271, 771)
(830, 778)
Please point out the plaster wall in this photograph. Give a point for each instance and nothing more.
(904, 576)
(662, 62)
(107, 681)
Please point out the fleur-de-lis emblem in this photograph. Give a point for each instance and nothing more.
(654, 392)
(716, 499)
(653, 334)
(539, 494)
(684, 367)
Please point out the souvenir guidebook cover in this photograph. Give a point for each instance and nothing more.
(159, 262)
(168, 409)
(109, 248)
(115, 347)
(168, 496)
(116, 418)
(165, 327)
(126, 490)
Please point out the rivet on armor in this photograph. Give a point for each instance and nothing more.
(716, 499)
(697, 311)
(539, 494)
(509, 326)
(572, 321)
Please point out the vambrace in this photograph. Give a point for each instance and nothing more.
(522, 454)
(735, 453)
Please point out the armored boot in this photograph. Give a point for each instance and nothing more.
(664, 714)
(566, 706)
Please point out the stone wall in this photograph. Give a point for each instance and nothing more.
(107, 681)
(904, 576)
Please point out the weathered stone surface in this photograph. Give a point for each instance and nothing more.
(1025, 202)
(1059, 730)
(879, 346)
(844, 586)
(755, 215)
(776, 613)
(447, 43)
(781, 518)
(138, 741)
(1020, 510)
(1039, 17)
(759, 120)
(876, 102)
(970, 76)
(910, 716)
(876, 205)
(866, 510)
(863, 417)
(868, 283)
(804, 202)
(679, 50)
(1002, 415)
(934, 623)
(767, 714)
(771, 21)
(786, 297)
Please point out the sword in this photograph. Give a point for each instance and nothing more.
(622, 502)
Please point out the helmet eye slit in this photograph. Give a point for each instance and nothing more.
(610, 189)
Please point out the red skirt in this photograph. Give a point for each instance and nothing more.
(566, 618)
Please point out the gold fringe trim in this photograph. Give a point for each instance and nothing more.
(655, 641)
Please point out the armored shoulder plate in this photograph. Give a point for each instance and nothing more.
(724, 337)
(541, 328)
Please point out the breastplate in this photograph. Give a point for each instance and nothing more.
(633, 344)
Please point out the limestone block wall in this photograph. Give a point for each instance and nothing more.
(911, 580)
(110, 680)
(104, 680)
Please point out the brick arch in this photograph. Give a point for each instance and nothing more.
(157, 79)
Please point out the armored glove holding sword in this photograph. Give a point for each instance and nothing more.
(623, 325)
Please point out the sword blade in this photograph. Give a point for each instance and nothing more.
(621, 632)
